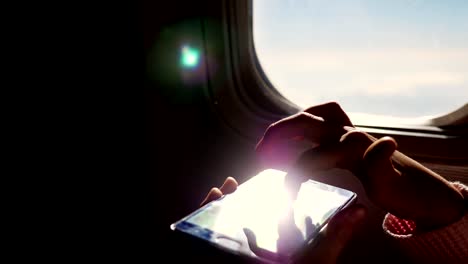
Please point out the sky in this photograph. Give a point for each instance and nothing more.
(400, 58)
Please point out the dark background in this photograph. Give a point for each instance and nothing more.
(114, 143)
(137, 146)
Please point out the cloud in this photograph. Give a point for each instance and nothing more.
(387, 72)
(395, 82)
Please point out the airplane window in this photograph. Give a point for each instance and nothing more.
(399, 58)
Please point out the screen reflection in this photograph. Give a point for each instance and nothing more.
(270, 215)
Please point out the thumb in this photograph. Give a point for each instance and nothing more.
(377, 158)
(380, 150)
(252, 242)
(337, 234)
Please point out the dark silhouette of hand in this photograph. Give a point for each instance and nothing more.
(393, 181)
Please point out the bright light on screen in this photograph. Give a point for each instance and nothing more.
(263, 203)
(399, 58)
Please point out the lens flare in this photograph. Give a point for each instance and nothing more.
(190, 57)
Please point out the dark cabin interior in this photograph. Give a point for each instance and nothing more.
(144, 141)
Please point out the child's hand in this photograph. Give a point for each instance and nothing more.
(393, 181)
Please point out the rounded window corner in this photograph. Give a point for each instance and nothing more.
(456, 118)
(250, 101)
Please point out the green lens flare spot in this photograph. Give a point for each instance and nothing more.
(190, 57)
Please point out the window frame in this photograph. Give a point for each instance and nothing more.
(247, 102)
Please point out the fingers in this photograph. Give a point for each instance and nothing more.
(251, 239)
(346, 154)
(354, 144)
(377, 159)
(339, 232)
(229, 186)
(252, 242)
(287, 228)
(292, 127)
(309, 226)
(290, 237)
(320, 158)
(296, 128)
(381, 150)
(331, 112)
(284, 140)
(318, 125)
(214, 194)
(313, 160)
